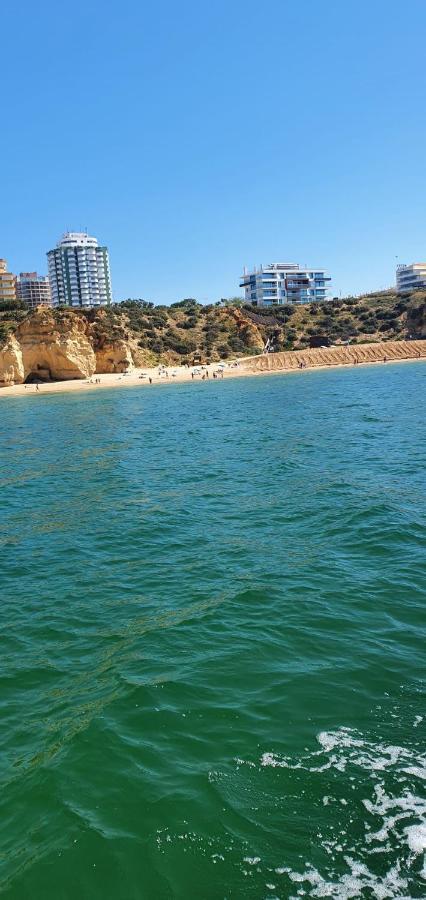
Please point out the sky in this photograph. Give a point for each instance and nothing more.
(195, 138)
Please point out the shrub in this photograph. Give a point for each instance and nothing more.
(400, 307)
(12, 305)
(177, 342)
(236, 343)
(134, 304)
(319, 340)
(157, 346)
(187, 323)
(189, 304)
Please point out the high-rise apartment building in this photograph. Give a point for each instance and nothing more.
(79, 272)
(411, 278)
(284, 283)
(7, 283)
(33, 289)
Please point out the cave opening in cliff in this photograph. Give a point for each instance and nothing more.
(39, 376)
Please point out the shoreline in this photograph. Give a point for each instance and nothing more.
(246, 367)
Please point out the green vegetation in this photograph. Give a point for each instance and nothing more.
(227, 329)
(12, 312)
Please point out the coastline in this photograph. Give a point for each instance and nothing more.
(266, 364)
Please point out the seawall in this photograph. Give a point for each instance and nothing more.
(337, 356)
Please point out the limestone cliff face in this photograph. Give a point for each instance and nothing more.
(11, 363)
(46, 349)
(56, 350)
(49, 347)
(115, 356)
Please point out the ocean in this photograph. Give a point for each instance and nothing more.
(212, 639)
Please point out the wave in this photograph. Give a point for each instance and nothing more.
(383, 856)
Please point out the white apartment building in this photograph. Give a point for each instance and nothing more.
(33, 289)
(79, 271)
(411, 278)
(284, 283)
(7, 283)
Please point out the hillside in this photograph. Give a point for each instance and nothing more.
(66, 343)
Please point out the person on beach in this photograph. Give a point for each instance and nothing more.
(150, 380)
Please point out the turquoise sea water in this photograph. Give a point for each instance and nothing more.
(212, 630)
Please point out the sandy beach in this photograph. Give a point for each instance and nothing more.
(265, 364)
(141, 377)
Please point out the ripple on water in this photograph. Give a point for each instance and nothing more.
(212, 640)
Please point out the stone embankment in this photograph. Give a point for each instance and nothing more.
(337, 356)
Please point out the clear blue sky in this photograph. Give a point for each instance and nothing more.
(194, 138)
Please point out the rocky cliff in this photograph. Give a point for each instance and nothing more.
(48, 347)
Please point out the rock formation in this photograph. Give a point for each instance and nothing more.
(47, 347)
(115, 356)
(53, 350)
(11, 364)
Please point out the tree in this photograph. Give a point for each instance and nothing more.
(136, 304)
(188, 303)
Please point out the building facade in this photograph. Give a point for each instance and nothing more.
(7, 283)
(411, 278)
(33, 289)
(284, 283)
(79, 272)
